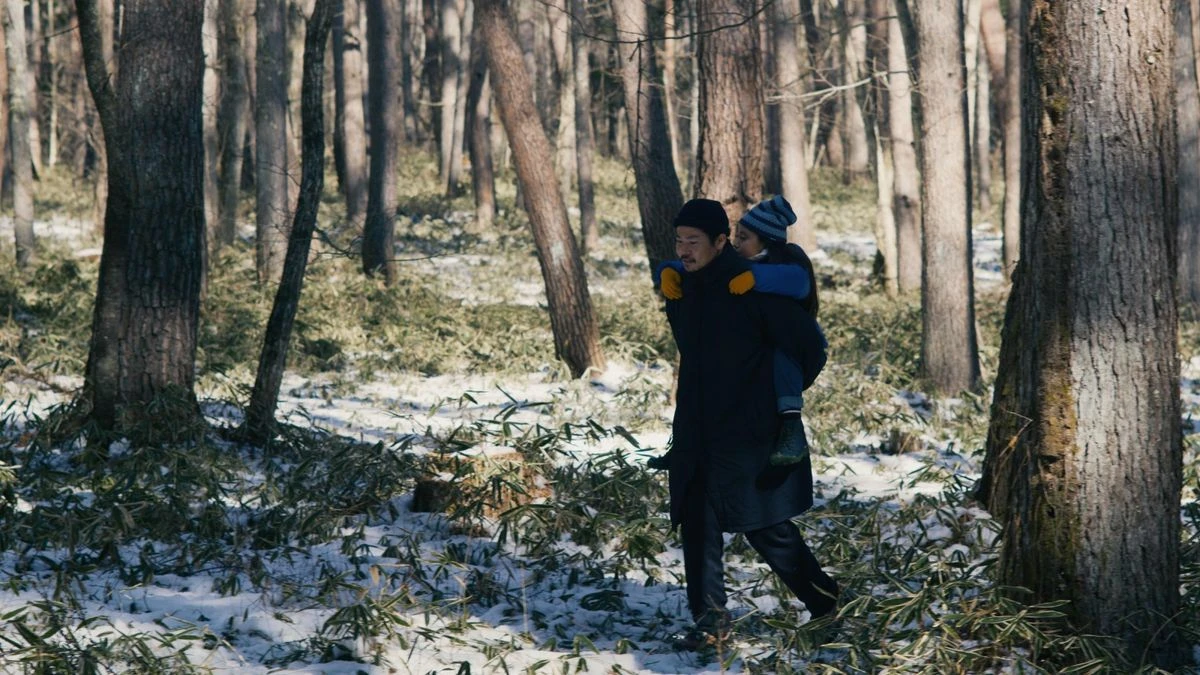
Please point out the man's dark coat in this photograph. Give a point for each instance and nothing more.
(725, 416)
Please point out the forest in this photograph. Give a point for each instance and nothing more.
(331, 339)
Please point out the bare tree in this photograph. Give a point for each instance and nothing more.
(877, 102)
(19, 125)
(383, 92)
(212, 95)
(350, 131)
(949, 350)
(1187, 98)
(792, 152)
(906, 197)
(479, 143)
(857, 159)
(451, 43)
(148, 295)
(1084, 451)
(271, 139)
(260, 414)
(576, 335)
(1010, 122)
(585, 144)
(658, 192)
(730, 160)
(231, 119)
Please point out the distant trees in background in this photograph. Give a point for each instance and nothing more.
(710, 98)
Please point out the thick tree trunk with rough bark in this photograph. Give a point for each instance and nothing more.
(383, 92)
(350, 129)
(658, 192)
(231, 120)
(949, 351)
(1084, 450)
(906, 195)
(576, 334)
(479, 134)
(148, 295)
(260, 414)
(729, 166)
(271, 140)
(585, 143)
(19, 125)
(793, 168)
(1187, 97)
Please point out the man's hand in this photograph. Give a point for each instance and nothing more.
(671, 284)
(742, 283)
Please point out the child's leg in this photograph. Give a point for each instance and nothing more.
(792, 445)
(789, 383)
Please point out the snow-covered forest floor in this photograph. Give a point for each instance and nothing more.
(551, 553)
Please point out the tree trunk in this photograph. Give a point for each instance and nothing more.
(383, 92)
(1084, 449)
(589, 235)
(949, 351)
(260, 414)
(460, 106)
(451, 43)
(857, 160)
(19, 125)
(906, 197)
(877, 18)
(983, 135)
(270, 124)
(576, 335)
(34, 37)
(212, 89)
(231, 120)
(971, 47)
(792, 166)
(671, 82)
(148, 295)
(479, 140)
(349, 122)
(730, 163)
(1187, 108)
(658, 192)
(1010, 123)
(991, 32)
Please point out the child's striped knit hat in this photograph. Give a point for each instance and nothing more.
(770, 218)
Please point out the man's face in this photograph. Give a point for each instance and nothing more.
(695, 249)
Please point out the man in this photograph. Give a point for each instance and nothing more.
(725, 426)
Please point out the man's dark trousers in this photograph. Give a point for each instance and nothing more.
(781, 546)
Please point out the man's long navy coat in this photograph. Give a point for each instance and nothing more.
(725, 416)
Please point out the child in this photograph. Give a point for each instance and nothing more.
(783, 269)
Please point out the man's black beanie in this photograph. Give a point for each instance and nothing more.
(704, 214)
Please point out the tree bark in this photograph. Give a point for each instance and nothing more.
(1084, 449)
(350, 133)
(271, 139)
(658, 192)
(1010, 123)
(876, 101)
(1187, 96)
(730, 162)
(792, 166)
(576, 335)
(148, 295)
(857, 159)
(983, 135)
(671, 82)
(585, 143)
(231, 120)
(260, 414)
(906, 196)
(451, 43)
(19, 125)
(212, 89)
(949, 351)
(383, 92)
(479, 140)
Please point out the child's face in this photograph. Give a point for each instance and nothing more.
(747, 242)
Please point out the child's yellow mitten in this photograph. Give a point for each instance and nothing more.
(671, 284)
(742, 283)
